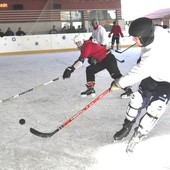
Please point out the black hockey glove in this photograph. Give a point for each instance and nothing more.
(67, 72)
(92, 61)
(91, 38)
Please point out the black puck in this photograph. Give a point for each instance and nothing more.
(22, 121)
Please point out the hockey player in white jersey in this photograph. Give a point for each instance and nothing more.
(99, 33)
(152, 72)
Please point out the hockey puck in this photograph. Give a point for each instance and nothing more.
(22, 121)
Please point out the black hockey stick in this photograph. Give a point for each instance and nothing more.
(121, 61)
(29, 90)
(125, 49)
(47, 135)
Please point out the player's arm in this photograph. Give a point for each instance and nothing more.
(77, 64)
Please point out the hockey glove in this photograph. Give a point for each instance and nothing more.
(114, 86)
(109, 35)
(127, 93)
(92, 61)
(67, 72)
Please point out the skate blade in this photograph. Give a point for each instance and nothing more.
(115, 141)
(88, 96)
(120, 140)
(125, 97)
(129, 151)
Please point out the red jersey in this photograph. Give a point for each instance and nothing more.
(116, 30)
(91, 49)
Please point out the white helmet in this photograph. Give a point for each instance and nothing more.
(78, 38)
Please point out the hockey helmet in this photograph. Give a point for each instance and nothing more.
(95, 21)
(114, 22)
(144, 29)
(79, 38)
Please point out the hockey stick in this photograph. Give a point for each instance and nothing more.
(29, 90)
(125, 49)
(121, 61)
(47, 135)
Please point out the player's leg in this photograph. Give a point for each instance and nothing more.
(91, 70)
(155, 109)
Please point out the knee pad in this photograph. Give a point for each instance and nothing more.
(157, 108)
(131, 113)
(134, 106)
(136, 100)
(154, 112)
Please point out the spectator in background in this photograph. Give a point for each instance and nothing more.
(83, 29)
(9, 32)
(53, 30)
(64, 29)
(72, 29)
(99, 33)
(20, 32)
(117, 32)
(163, 26)
(79, 29)
(1, 33)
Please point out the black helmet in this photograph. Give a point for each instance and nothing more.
(114, 22)
(144, 29)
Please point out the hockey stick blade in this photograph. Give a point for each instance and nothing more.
(43, 135)
(48, 135)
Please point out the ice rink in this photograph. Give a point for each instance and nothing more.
(86, 143)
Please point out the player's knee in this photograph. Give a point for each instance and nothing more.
(136, 100)
(157, 108)
(89, 69)
(131, 113)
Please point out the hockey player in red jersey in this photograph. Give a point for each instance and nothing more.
(99, 59)
(115, 32)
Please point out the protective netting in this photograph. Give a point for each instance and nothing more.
(47, 20)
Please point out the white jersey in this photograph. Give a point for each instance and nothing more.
(154, 61)
(100, 35)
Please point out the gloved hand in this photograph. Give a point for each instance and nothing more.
(113, 86)
(92, 61)
(67, 72)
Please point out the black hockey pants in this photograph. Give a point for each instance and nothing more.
(109, 63)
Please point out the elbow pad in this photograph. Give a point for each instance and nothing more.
(78, 63)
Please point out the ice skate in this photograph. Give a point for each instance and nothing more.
(121, 134)
(124, 132)
(90, 92)
(136, 138)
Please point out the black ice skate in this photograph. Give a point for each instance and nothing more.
(136, 138)
(124, 132)
(90, 92)
(127, 93)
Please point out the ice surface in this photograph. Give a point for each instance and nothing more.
(84, 144)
